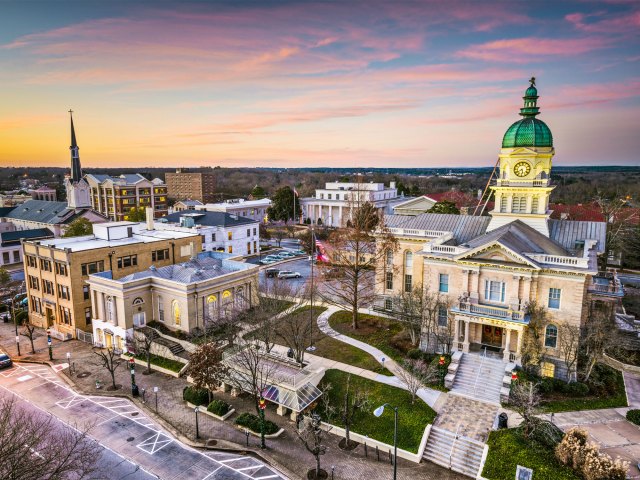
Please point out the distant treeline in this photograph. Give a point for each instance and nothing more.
(580, 184)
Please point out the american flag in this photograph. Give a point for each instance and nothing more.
(321, 254)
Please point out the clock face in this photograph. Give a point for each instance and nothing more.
(522, 169)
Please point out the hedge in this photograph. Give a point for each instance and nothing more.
(219, 407)
(195, 396)
(633, 416)
(252, 422)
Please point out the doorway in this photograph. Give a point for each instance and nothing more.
(49, 317)
(492, 336)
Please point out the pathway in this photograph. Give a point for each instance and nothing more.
(429, 396)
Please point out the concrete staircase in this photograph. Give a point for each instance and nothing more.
(458, 453)
(479, 377)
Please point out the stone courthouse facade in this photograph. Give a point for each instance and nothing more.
(488, 270)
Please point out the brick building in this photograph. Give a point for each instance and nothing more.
(185, 185)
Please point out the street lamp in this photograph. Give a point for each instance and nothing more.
(18, 343)
(379, 411)
(134, 388)
(49, 344)
(155, 390)
(197, 409)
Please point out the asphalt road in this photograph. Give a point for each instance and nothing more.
(134, 447)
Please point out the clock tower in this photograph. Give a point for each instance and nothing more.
(523, 187)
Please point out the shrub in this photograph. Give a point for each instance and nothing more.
(252, 422)
(414, 354)
(575, 389)
(633, 416)
(219, 407)
(195, 395)
(546, 433)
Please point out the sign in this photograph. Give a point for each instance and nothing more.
(524, 473)
(60, 367)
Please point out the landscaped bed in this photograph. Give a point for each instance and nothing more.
(507, 450)
(162, 362)
(412, 419)
(605, 389)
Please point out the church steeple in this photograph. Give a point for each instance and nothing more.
(76, 169)
(530, 98)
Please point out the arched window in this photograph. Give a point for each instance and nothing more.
(240, 298)
(175, 308)
(111, 314)
(389, 258)
(212, 307)
(408, 271)
(138, 301)
(551, 336)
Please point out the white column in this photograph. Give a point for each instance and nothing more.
(507, 345)
(465, 344)
(340, 215)
(456, 334)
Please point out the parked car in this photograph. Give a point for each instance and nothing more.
(267, 261)
(271, 272)
(5, 360)
(298, 252)
(286, 254)
(288, 274)
(273, 258)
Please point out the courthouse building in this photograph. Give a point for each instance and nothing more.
(490, 268)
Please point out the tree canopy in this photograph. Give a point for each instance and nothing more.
(445, 206)
(282, 205)
(258, 192)
(79, 227)
(137, 214)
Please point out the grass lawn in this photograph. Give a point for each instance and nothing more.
(162, 362)
(507, 450)
(412, 419)
(383, 333)
(280, 305)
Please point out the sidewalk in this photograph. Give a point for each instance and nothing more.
(286, 453)
(429, 396)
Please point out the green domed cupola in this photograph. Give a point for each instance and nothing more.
(528, 132)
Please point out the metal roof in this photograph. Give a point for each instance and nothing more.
(7, 238)
(568, 233)
(463, 227)
(210, 219)
(521, 238)
(43, 211)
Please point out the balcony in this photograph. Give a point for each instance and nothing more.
(606, 285)
(490, 311)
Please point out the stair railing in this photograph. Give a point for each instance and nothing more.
(453, 444)
(475, 384)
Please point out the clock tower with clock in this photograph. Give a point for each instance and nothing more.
(523, 187)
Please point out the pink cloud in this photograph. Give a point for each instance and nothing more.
(524, 50)
(603, 23)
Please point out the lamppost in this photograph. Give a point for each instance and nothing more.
(49, 344)
(18, 343)
(441, 365)
(155, 390)
(262, 404)
(134, 388)
(197, 409)
(379, 411)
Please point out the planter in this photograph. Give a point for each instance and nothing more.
(273, 435)
(154, 367)
(213, 415)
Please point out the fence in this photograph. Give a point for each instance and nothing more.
(83, 336)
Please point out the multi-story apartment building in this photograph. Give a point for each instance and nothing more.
(253, 209)
(487, 272)
(185, 185)
(183, 297)
(220, 232)
(332, 205)
(114, 197)
(56, 270)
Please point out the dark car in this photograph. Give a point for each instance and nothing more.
(271, 272)
(5, 360)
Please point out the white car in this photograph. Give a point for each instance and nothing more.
(288, 274)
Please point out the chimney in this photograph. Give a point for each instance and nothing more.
(392, 184)
(149, 215)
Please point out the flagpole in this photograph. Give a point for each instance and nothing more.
(294, 206)
(311, 347)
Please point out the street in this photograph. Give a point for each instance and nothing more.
(134, 446)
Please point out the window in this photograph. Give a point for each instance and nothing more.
(388, 304)
(5, 257)
(534, 205)
(494, 291)
(160, 309)
(230, 249)
(389, 280)
(36, 305)
(127, 261)
(248, 232)
(175, 309)
(16, 256)
(554, 298)
(443, 316)
(211, 307)
(85, 292)
(389, 258)
(61, 269)
(34, 282)
(47, 287)
(213, 237)
(551, 336)
(444, 283)
(139, 319)
(65, 315)
(328, 196)
(93, 267)
(255, 246)
(248, 248)
(45, 264)
(547, 369)
(87, 315)
(31, 261)
(111, 312)
(408, 280)
(63, 292)
(229, 235)
(255, 230)
(158, 255)
(503, 204)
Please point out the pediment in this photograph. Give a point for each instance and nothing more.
(495, 252)
(421, 202)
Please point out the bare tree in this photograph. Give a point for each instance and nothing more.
(279, 234)
(357, 250)
(415, 374)
(532, 340)
(598, 334)
(312, 437)
(294, 330)
(353, 401)
(109, 358)
(140, 342)
(620, 226)
(568, 342)
(251, 370)
(525, 400)
(29, 332)
(36, 447)
(206, 367)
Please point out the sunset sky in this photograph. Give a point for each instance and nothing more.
(296, 84)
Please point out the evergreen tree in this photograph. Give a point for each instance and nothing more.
(444, 206)
(282, 205)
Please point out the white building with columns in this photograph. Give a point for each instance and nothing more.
(332, 205)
